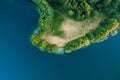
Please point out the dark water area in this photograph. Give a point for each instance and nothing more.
(19, 60)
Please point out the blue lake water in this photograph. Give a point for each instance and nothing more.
(19, 60)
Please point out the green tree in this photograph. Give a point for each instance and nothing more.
(43, 45)
(70, 13)
(90, 36)
(35, 40)
(52, 48)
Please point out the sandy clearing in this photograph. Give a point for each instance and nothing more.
(73, 30)
(55, 40)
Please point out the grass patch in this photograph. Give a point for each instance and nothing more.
(57, 21)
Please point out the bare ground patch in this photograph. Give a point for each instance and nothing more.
(73, 30)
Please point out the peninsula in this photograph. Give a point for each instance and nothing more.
(73, 24)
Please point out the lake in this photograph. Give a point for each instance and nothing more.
(19, 60)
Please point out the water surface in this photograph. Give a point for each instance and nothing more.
(19, 60)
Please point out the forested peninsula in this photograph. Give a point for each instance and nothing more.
(74, 24)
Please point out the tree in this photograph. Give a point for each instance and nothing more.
(70, 13)
(35, 40)
(117, 16)
(86, 8)
(94, 13)
(43, 44)
(90, 36)
(107, 2)
(52, 48)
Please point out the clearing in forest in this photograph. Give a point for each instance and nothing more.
(73, 30)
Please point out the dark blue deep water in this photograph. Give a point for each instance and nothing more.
(19, 60)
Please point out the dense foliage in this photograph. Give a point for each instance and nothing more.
(46, 14)
(79, 9)
(82, 9)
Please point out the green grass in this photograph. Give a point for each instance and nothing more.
(57, 22)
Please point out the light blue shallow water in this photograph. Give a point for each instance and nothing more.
(19, 60)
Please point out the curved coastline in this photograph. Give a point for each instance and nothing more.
(102, 32)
